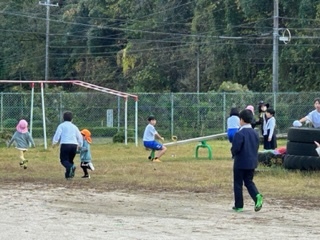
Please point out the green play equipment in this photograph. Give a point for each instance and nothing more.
(203, 144)
(152, 154)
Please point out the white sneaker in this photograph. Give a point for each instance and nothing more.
(91, 166)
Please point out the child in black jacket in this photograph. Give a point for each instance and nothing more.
(244, 151)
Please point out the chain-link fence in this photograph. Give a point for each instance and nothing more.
(185, 115)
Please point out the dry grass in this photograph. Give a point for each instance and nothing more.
(120, 167)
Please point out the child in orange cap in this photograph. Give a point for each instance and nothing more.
(85, 153)
(23, 139)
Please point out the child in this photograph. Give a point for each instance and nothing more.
(85, 153)
(233, 123)
(251, 108)
(70, 138)
(23, 140)
(149, 141)
(244, 150)
(262, 114)
(269, 135)
(314, 116)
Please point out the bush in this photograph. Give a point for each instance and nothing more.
(10, 123)
(119, 137)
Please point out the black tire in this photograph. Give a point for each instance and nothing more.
(308, 163)
(269, 159)
(301, 149)
(265, 158)
(304, 135)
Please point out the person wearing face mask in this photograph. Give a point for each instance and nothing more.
(262, 121)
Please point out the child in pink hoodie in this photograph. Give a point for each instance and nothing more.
(22, 139)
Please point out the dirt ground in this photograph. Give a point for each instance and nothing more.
(49, 212)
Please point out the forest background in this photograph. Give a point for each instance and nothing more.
(161, 45)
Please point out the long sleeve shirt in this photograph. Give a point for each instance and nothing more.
(268, 128)
(67, 133)
(85, 153)
(245, 147)
(22, 140)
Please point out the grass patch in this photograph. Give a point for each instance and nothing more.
(120, 167)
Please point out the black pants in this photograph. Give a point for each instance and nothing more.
(240, 177)
(67, 154)
(85, 167)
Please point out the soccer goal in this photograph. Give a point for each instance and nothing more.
(125, 96)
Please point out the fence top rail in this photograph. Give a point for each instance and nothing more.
(79, 83)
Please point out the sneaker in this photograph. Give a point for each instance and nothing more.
(91, 167)
(156, 160)
(72, 171)
(86, 176)
(23, 162)
(237, 209)
(259, 202)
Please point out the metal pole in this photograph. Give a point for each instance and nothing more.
(275, 66)
(198, 87)
(136, 122)
(48, 5)
(47, 41)
(43, 118)
(31, 108)
(126, 122)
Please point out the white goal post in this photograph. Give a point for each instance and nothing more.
(123, 95)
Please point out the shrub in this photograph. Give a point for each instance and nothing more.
(10, 123)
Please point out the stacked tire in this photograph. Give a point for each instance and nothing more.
(301, 153)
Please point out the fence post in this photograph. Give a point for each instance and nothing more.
(274, 100)
(2, 112)
(172, 114)
(224, 112)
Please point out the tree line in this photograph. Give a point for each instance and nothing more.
(161, 45)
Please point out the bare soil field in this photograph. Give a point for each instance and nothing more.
(30, 211)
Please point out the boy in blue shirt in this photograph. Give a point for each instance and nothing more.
(244, 150)
(150, 133)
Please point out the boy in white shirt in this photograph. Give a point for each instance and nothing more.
(149, 136)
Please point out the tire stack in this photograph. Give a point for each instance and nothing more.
(301, 153)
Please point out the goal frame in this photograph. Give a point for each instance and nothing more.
(123, 95)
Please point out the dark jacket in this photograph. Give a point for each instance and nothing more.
(245, 146)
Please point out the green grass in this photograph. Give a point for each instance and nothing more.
(120, 167)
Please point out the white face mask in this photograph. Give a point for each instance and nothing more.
(263, 108)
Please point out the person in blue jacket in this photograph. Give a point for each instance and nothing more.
(244, 151)
(85, 153)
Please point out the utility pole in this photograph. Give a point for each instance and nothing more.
(48, 4)
(275, 66)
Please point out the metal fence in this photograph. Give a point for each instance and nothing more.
(185, 115)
